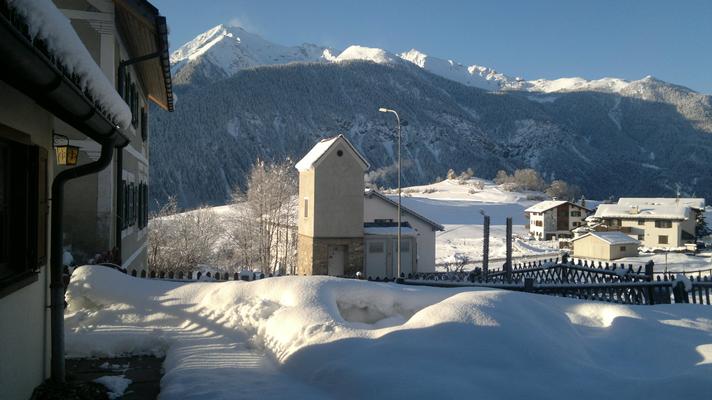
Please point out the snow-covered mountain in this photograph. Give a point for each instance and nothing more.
(224, 50)
(257, 100)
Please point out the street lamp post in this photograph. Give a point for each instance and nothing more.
(386, 110)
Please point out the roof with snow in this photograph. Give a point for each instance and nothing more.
(672, 212)
(320, 149)
(611, 237)
(549, 204)
(369, 193)
(694, 202)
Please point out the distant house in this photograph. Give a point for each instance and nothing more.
(554, 219)
(656, 222)
(344, 229)
(605, 246)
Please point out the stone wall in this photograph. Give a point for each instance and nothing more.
(313, 255)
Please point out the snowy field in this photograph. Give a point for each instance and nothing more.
(321, 337)
(457, 207)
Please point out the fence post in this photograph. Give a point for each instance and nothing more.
(485, 247)
(679, 293)
(649, 269)
(508, 264)
(529, 285)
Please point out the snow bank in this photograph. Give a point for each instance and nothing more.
(46, 22)
(317, 337)
(116, 384)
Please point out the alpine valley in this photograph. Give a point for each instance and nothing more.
(241, 98)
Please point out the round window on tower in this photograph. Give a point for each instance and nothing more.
(339, 153)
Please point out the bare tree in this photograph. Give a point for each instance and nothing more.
(181, 241)
(265, 217)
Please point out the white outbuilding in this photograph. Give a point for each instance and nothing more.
(605, 246)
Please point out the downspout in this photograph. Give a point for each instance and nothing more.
(56, 264)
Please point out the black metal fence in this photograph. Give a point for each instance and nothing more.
(615, 283)
(196, 276)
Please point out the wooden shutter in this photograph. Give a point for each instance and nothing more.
(144, 124)
(42, 206)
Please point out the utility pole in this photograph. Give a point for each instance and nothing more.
(386, 110)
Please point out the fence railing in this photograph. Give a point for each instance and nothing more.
(198, 275)
(598, 281)
(669, 290)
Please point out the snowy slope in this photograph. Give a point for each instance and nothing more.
(321, 337)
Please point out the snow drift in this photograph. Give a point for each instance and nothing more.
(311, 337)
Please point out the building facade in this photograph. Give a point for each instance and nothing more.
(554, 219)
(109, 210)
(330, 216)
(605, 246)
(666, 225)
(344, 229)
(420, 257)
(47, 101)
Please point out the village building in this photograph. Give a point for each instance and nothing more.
(417, 249)
(344, 229)
(555, 219)
(656, 223)
(605, 246)
(109, 210)
(58, 91)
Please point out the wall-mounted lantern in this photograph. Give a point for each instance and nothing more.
(66, 154)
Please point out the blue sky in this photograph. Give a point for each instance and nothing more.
(671, 40)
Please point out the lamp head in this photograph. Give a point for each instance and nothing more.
(383, 109)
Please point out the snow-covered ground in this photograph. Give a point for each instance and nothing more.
(322, 337)
(457, 207)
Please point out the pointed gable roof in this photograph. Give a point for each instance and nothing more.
(320, 149)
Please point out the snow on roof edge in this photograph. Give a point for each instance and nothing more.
(321, 148)
(46, 22)
(370, 192)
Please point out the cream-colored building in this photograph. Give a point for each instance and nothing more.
(330, 216)
(109, 209)
(344, 229)
(554, 219)
(656, 224)
(605, 246)
(419, 256)
(39, 97)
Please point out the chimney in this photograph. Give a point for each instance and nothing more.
(634, 210)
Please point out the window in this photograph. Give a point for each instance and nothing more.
(123, 205)
(641, 222)
(375, 247)
(576, 223)
(538, 223)
(622, 248)
(663, 224)
(133, 105)
(23, 213)
(144, 124)
(641, 236)
(575, 213)
(662, 239)
(615, 222)
(306, 207)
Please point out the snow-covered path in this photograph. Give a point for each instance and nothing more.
(322, 337)
(209, 366)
